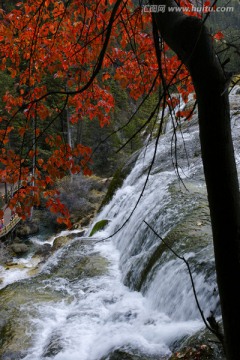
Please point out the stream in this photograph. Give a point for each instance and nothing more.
(128, 290)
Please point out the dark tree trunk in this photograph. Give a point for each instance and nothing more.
(189, 38)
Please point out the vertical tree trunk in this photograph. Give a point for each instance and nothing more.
(188, 37)
(34, 147)
(3, 6)
(6, 193)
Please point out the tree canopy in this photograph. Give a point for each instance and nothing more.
(60, 59)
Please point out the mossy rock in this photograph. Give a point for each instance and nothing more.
(118, 178)
(191, 234)
(17, 294)
(115, 184)
(202, 345)
(87, 266)
(43, 251)
(19, 248)
(13, 342)
(15, 329)
(131, 354)
(203, 352)
(14, 265)
(54, 345)
(100, 225)
(14, 314)
(60, 241)
(27, 228)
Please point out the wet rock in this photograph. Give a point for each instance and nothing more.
(12, 355)
(15, 312)
(15, 266)
(87, 266)
(237, 91)
(80, 233)
(54, 346)
(96, 197)
(44, 250)
(19, 248)
(86, 220)
(12, 341)
(118, 178)
(191, 233)
(10, 263)
(15, 337)
(122, 354)
(16, 240)
(33, 271)
(202, 345)
(60, 241)
(4, 254)
(27, 228)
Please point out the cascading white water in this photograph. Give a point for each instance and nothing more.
(76, 317)
(168, 287)
(101, 315)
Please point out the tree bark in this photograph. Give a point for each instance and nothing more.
(189, 38)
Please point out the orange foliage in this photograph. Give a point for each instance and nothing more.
(64, 40)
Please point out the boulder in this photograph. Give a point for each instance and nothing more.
(16, 240)
(202, 345)
(43, 250)
(60, 242)
(129, 354)
(19, 248)
(4, 253)
(86, 266)
(86, 220)
(28, 228)
(54, 345)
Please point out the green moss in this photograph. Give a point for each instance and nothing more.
(13, 338)
(118, 178)
(192, 233)
(153, 260)
(88, 266)
(115, 184)
(98, 226)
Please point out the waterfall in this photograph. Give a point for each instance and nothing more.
(124, 289)
(165, 204)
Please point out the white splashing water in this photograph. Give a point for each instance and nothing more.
(100, 314)
(103, 315)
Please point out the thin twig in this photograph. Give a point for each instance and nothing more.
(215, 332)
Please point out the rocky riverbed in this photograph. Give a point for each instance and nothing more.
(29, 240)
